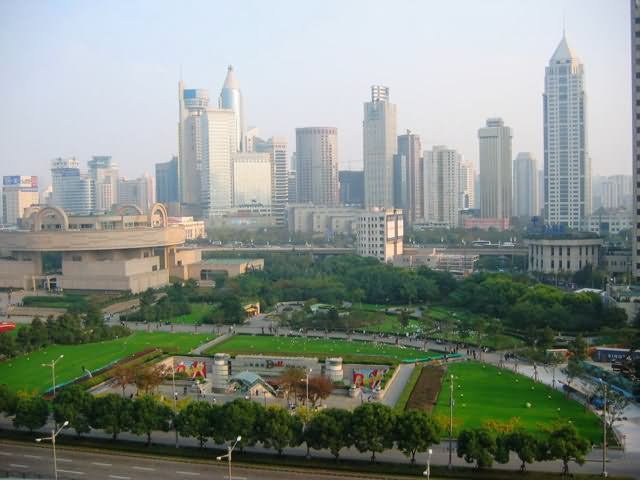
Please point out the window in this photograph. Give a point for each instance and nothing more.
(76, 258)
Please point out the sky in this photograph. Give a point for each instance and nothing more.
(82, 78)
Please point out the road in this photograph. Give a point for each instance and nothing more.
(36, 461)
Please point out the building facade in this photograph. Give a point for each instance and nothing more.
(608, 221)
(139, 191)
(18, 192)
(321, 220)
(525, 185)
(276, 147)
(380, 234)
(351, 187)
(442, 186)
(167, 188)
(467, 185)
(379, 147)
(231, 99)
(410, 148)
(317, 165)
(104, 174)
(495, 169)
(635, 122)
(252, 179)
(71, 190)
(562, 254)
(567, 165)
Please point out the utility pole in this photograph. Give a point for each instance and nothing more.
(450, 421)
(604, 431)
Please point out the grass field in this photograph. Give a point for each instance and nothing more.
(316, 347)
(198, 312)
(27, 373)
(483, 392)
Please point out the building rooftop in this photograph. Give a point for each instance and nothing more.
(229, 261)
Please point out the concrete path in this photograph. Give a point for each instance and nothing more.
(392, 396)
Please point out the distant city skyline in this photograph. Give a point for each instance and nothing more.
(91, 79)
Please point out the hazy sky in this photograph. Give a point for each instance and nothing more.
(80, 78)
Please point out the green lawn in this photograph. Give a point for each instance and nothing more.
(198, 312)
(483, 392)
(315, 347)
(27, 373)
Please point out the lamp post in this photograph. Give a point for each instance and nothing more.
(427, 472)
(450, 421)
(604, 430)
(53, 436)
(52, 366)
(228, 455)
(306, 380)
(175, 401)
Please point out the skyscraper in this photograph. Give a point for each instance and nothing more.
(467, 185)
(218, 146)
(193, 104)
(139, 191)
(351, 187)
(525, 185)
(18, 193)
(276, 147)
(231, 98)
(167, 181)
(104, 173)
(410, 147)
(379, 146)
(317, 165)
(635, 122)
(252, 179)
(567, 165)
(442, 186)
(495, 169)
(72, 191)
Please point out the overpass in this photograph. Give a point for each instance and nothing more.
(482, 251)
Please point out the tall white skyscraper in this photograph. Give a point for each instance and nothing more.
(252, 179)
(379, 147)
(442, 186)
(276, 147)
(104, 173)
(72, 191)
(495, 169)
(410, 147)
(635, 136)
(317, 165)
(467, 185)
(193, 103)
(567, 165)
(231, 98)
(218, 145)
(525, 185)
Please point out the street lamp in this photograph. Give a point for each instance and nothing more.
(604, 430)
(450, 421)
(175, 400)
(52, 366)
(306, 380)
(228, 455)
(53, 436)
(427, 472)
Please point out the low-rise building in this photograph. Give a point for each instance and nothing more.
(499, 224)
(608, 221)
(319, 220)
(18, 193)
(190, 265)
(380, 234)
(443, 260)
(618, 263)
(562, 253)
(193, 229)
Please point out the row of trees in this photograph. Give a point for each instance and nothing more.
(371, 427)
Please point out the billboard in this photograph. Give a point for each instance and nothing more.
(368, 377)
(20, 181)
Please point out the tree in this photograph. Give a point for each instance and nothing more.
(320, 387)
(616, 404)
(565, 444)
(239, 417)
(147, 415)
(372, 426)
(330, 429)
(574, 370)
(232, 309)
(8, 347)
(525, 445)
(195, 420)
(31, 412)
(415, 431)
(477, 445)
(73, 404)
(8, 400)
(279, 429)
(123, 375)
(578, 347)
(149, 378)
(112, 413)
(289, 380)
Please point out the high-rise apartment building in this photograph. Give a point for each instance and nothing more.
(467, 185)
(525, 185)
(442, 186)
(317, 165)
(410, 147)
(379, 146)
(567, 165)
(276, 147)
(18, 193)
(218, 146)
(351, 187)
(167, 181)
(140, 192)
(635, 122)
(104, 173)
(192, 105)
(495, 170)
(231, 99)
(71, 190)
(252, 179)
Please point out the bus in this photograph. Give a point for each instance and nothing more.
(481, 243)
